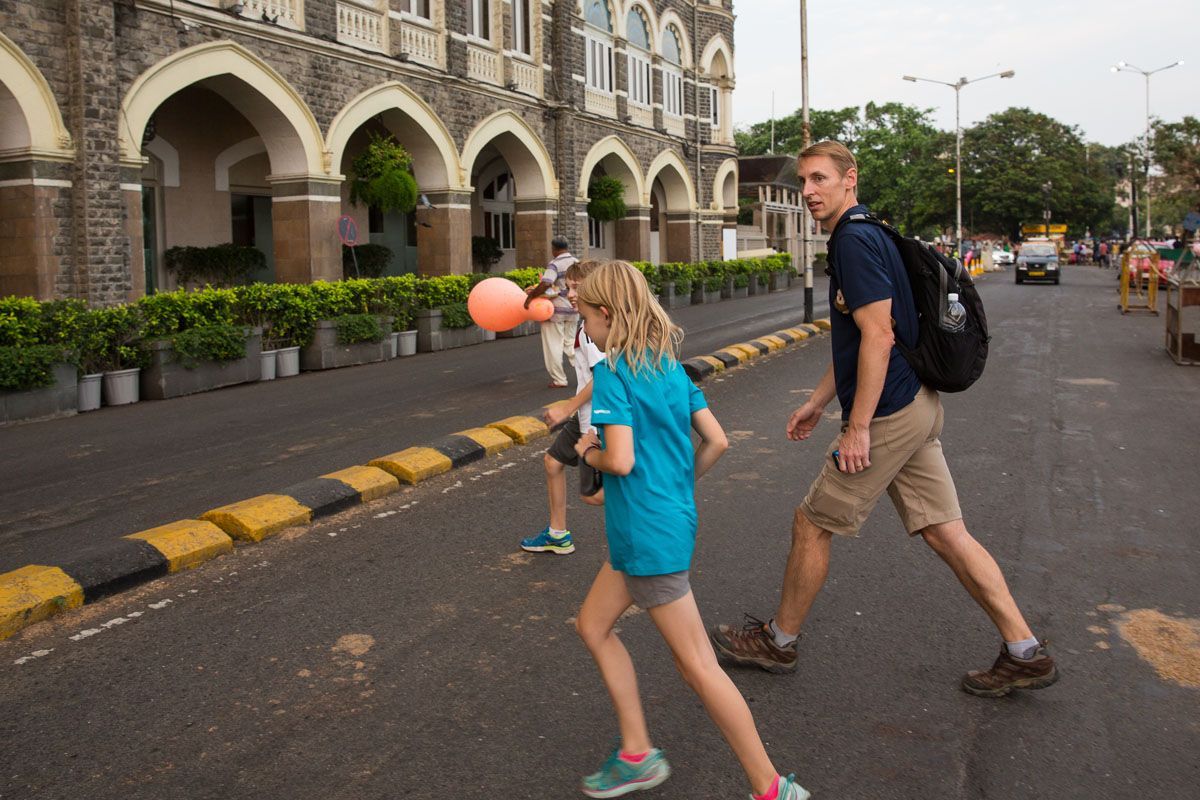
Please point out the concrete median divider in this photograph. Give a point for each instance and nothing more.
(37, 592)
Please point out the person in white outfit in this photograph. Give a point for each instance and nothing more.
(558, 333)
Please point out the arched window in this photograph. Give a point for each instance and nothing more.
(599, 46)
(641, 86)
(672, 73)
(639, 29)
(599, 15)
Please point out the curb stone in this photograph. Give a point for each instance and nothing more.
(37, 592)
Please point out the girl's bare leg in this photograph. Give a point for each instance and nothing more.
(606, 601)
(680, 625)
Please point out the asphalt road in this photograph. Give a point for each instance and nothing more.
(408, 649)
(67, 484)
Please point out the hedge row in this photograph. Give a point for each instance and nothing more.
(103, 339)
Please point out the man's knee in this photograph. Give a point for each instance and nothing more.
(944, 536)
(805, 530)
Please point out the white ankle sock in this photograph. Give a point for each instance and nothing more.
(1024, 649)
(557, 534)
(781, 639)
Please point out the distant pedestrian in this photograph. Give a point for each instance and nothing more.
(889, 442)
(1102, 254)
(577, 416)
(646, 408)
(559, 331)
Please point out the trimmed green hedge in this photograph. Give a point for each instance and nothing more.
(114, 338)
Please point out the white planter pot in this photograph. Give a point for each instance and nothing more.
(408, 343)
(268, 365)
(121, 387)
(287, 362)
(89, 391)
(394, 343)
(489, 336)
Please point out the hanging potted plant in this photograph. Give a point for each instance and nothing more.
(381, 177)
(606, 199)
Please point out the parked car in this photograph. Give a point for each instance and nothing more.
(1003, 257)
(1037, 261)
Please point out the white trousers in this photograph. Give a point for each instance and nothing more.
(558, 340)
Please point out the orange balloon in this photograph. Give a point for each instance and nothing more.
(498, 304)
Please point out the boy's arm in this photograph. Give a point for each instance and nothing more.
(559, 413)
(713, 442)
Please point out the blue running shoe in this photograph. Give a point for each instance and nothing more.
(617, 777)
(790, 790)
(545, 543)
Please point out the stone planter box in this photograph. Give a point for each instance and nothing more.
(702, 295)
(524, 329)
(727, 289)
(737, 293)
(779, 281)
(697, 294)
(58, 400)
(432, 337)
(668, 298)
(324, 352)
(166, 377)
(757, 286)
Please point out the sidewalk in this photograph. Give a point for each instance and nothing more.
(69, 484)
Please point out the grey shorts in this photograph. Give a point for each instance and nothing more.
(562, 450)
(649, 591)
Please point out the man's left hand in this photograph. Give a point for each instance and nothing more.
(854, 448)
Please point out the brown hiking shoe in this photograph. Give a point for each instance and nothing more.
(1010, 673)
(753, 646)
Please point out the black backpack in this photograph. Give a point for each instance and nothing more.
(944, 359)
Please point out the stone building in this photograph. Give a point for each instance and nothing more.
(131, 126)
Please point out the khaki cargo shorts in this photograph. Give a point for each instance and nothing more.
(906, 461)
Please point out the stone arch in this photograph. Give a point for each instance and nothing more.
(165, 152)
(669, 17)
(677, 183)
(258, 92)
(30, 121)
(234, 154)
(527, 156)
(717, 46)
(725, 185)
(620, 162)
(436, 164)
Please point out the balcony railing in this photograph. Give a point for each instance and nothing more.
(641, 115)
(361, 27)
(601, 103)
(423, 45)
(483, 64)
(288, 13)
(527, 77)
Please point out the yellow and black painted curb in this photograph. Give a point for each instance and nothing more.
(37, 592)
(701, 367)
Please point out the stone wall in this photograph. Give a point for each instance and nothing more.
(86, 241)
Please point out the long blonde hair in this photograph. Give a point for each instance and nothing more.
(639, 328)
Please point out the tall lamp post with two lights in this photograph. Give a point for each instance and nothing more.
(957, 87)
(1124, 66)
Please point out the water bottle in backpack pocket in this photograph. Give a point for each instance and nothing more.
(954, 315)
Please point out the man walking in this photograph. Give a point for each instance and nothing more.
(889, 442)
(558, 332)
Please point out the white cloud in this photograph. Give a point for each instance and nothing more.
(1061, 51)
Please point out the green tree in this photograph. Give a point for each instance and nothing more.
(1176, 151)
(1018, 162)
(789, 132)
(903, 163)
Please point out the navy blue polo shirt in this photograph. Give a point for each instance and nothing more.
(866, 268)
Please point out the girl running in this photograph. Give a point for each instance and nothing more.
(645, 408)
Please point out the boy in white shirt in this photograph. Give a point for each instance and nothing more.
(577, 413)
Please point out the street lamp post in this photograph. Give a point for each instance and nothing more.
(1124, 66)
(805, 224)
(957, 87)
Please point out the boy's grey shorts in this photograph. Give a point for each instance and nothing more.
(649, 591)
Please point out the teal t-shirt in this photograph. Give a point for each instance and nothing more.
(650, 514)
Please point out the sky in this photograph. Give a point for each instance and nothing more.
(1061, 51)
